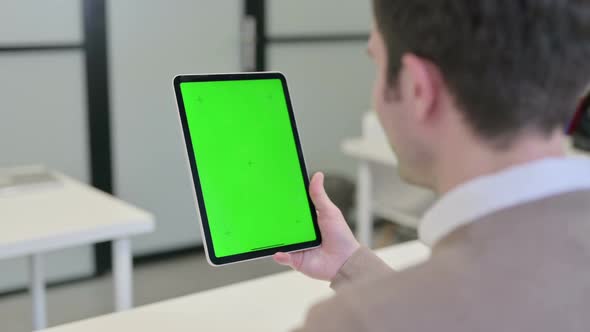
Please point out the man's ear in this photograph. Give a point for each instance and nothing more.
(421, 84)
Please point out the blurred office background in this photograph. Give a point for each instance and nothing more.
(86, 89)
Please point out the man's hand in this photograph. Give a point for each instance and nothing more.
(338, 242)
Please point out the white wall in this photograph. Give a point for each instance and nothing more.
(34, 21)
(330, 81)
(311, 17)
(43, 102)
(150, 42)
(330, 86)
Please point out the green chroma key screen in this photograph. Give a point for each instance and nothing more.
(248, 165)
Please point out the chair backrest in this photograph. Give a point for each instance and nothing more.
(372, 130)
(580, 125)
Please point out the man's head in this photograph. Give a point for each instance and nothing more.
(484, 71)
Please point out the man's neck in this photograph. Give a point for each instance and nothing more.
(474, 159)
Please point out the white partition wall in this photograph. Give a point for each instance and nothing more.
(321, 46)
(26, 22)
(330, 87)
(150, 41)
(318, 17)
(43, 110)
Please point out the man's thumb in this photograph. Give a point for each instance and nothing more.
(318, 194)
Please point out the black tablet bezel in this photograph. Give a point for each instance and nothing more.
(195, 174)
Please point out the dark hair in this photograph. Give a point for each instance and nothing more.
(511, 65)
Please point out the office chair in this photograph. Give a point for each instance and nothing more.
(580, 126)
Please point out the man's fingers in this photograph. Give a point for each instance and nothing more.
(282, 258)
(294, 260)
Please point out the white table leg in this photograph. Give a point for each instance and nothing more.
(122, 263)
(363, 204)
(37, 276)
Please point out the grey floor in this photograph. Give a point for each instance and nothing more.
(153, 282)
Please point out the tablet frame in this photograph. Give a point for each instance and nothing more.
(192, 165)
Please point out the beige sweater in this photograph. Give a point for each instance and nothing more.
(526, 268)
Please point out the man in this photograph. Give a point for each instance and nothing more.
(474, 96)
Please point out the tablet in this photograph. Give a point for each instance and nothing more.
(249, 177)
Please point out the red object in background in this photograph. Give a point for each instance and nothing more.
(582, 109)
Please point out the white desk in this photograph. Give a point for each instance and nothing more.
(65, 215)
(369, 152)
(274, 303)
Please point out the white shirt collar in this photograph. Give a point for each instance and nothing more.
(514, 186)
